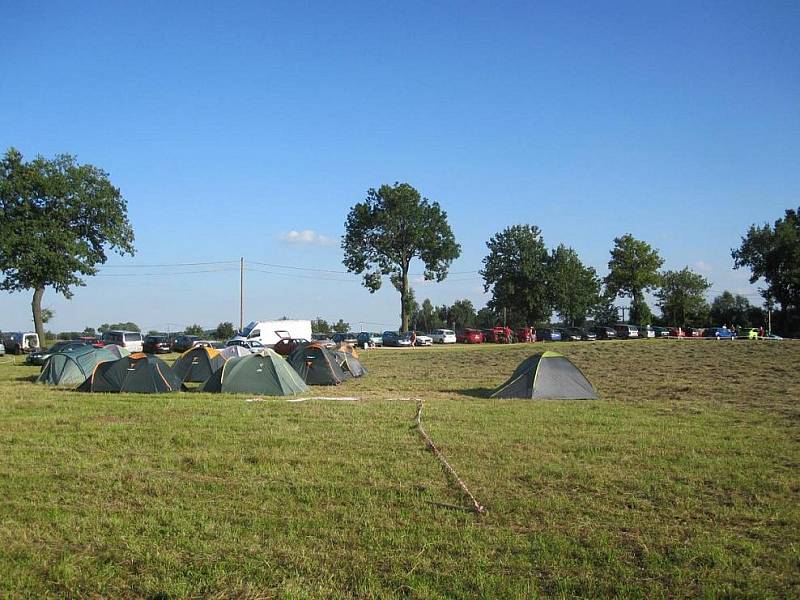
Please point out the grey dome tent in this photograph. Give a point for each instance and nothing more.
(234, 351)
(116, 350)
(265, 373)
(349, 363)
(547, 375)
(73, 366)
(140, 373)
(197, 364)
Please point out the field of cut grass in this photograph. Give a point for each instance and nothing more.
(683, 480)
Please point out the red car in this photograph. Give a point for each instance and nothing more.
(525, 334)
(469, 336)
(92, 341)
(694, 332)
(498, 335)
(288, 345)
(676, 332)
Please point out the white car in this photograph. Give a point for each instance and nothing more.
(444, 336)
(424, 340)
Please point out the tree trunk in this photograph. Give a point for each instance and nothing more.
(403, 305)
(36, 306)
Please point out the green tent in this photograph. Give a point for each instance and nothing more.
(318, 366)
(547, 375)
(73, 366)
(139, 373)
(198, 364)
(265, 373)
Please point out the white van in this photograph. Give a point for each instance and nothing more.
(270, 333)
(444, 336)
(130, 340)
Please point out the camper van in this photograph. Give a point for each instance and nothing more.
(270, 333)
(19, 342)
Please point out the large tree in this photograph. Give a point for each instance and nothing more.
(735, 309)
(681, 297)
(385, 233)
(773, 253)
(462, 314)
(58, 218)
(515, 270)
(224, 331)
(632, 271)
(574, 287)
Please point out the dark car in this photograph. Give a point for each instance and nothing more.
(580, 334)
(286, 346)
(661, 331)
(368, 338)
(604, 333)
(183, 342)
(392, 338)
(156, 344)
(347, 338)
(39, 357)
(470, 336)
(569, 334)
(548, 335)
(693, 332)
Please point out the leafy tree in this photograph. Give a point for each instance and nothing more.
(681, 297)
(320, 325)
(47, 315)
(341, 326)
(633, 270)
(462, 314)
(773, 253)
(427, 317)
(224, 331)
(411, 305)
(57, 219)
(574, 288)
(89, 331)
(388, 230)
(486, 318)
(735, 309)
(516, 270)
(195, 330)
(153, 332)
(129, 326)
(605, 312)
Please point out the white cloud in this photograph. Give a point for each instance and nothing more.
(307, 236)
(703, 266)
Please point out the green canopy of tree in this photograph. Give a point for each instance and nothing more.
(681, 297)
(574, 287)
(605, 312)
(89, 331)
(224, 331)
(486, 318)
(129, 326)
(516, 273)
(735, 309)
(57, 219)
(320, 325)
(632, 271)
(773, 253)
(195, 330)
(462, 314)
(393, 226)
(341, 326)
(427, 317)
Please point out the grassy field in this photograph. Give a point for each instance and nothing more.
(682, 481)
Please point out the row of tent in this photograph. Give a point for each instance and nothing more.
(232, 370)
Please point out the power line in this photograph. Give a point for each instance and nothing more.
(162, 274)
(191, 264)
(298, 276)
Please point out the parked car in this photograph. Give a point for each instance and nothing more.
(2, 348)
(183, 342)
(156, 344)
(498, 335)
(625, 331)
(677, 332)
(661, 331)
(422, 339)
(346, 338)
(40, 356)
(645, 331)
(721, 333)
(471, 336)
(130, 340)
(392, 338)
(548, 335)
(443, 336)
(92, 341)
(369, 338)
(525, 334)
(693, 332)
(19, 342)
(211, 344)
(288, 345)
(604, 333)
(252, 345)
(578, 333)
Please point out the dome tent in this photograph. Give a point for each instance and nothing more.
(317, 365)
(117, 351)
(139, 373)
(265, 373)
(197, 364)
(234, 351)
(350, 363)
(547, 375)
(73, 366)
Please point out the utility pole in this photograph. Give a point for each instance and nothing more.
(241, 293)
(623, 309)
(769, 321)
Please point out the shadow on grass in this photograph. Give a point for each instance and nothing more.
(29, 378)
(479, 392)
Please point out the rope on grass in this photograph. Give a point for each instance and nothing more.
(476, 506)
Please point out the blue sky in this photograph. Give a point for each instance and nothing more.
(229, 128)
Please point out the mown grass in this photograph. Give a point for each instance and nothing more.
(681, 481)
